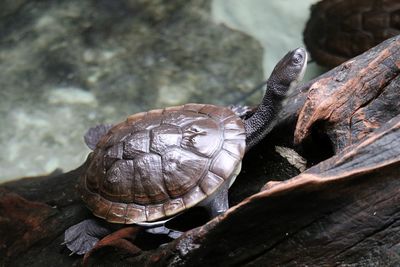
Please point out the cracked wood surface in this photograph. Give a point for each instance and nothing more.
(355, 98)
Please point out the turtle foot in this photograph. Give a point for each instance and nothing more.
(119, 239)
(174, 234)
(82, 237)
(242, 111)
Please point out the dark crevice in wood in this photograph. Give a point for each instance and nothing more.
(317, 146)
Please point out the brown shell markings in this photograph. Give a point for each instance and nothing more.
(156, 164)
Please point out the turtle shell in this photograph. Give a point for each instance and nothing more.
(341, 29)
(159, 163)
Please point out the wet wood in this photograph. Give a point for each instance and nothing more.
(23, 222)
(34, 213)
(344, 210)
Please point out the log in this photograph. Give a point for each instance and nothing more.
(34, 213)
(355, 98)
(344, 210)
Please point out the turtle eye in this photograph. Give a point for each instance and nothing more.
(297, 58)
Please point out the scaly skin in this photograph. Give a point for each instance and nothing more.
(286, 74)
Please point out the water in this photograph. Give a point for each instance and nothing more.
(68, 65)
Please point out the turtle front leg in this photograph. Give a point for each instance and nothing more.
(174, 234)
(82, 237)
(219, 203)
(215, 206)
(243, 112)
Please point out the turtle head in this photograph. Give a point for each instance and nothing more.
(286, 75)
(289, 71)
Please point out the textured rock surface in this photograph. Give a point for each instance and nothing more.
(339, 30)
(68, 65)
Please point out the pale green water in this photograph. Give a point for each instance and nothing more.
(69, 65)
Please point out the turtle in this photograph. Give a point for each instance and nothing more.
(158, 164)
(340, 29)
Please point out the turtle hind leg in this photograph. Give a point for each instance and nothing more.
(94, 134)
(82, 237)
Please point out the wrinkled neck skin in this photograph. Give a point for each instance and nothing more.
(257, 125)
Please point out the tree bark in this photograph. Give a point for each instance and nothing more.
(344, 210)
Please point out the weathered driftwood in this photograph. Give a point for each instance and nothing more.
(356, 98)
(344, 210)
(349, 101)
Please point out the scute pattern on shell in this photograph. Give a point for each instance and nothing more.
(158, 163)
(341, 29)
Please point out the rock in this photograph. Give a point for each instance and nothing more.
(9, 7)
(340, 30)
